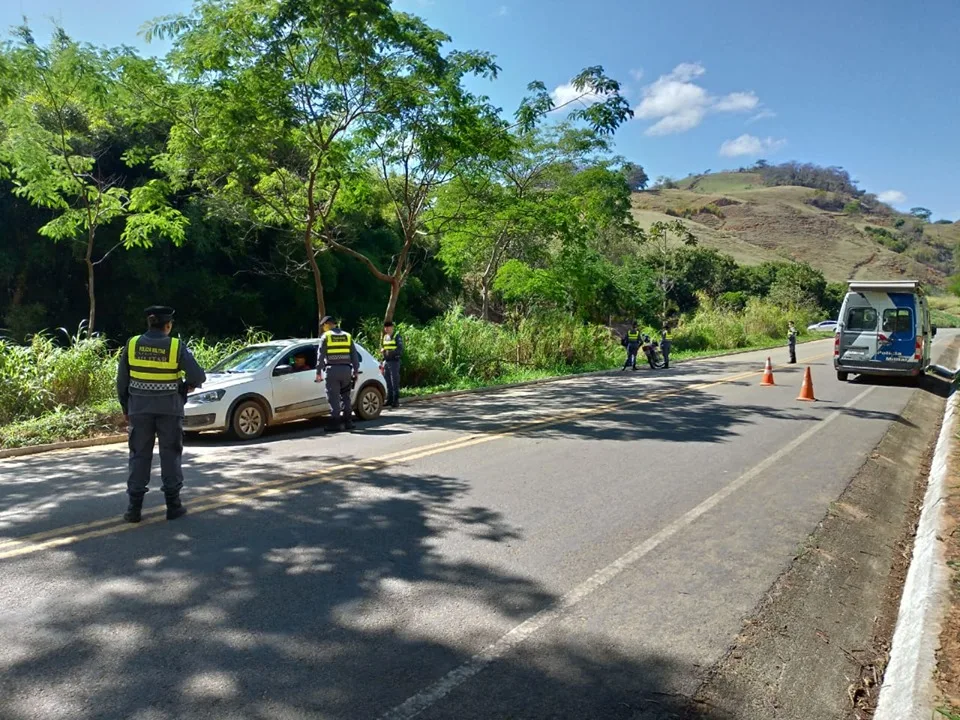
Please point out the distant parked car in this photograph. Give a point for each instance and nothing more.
(827, 326)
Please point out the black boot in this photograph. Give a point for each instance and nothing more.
(175, 508)
(333, 427)
(132, 515)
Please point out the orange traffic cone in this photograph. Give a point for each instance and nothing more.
(806, 390)
(768, 374)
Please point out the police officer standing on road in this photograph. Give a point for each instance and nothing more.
(391, 350)
(154, 376)
(631, 341)
(338, 362)
(665, 346)
(792, 342)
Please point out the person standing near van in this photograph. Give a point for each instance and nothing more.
(792, 342)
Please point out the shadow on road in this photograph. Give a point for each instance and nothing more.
(330, 601)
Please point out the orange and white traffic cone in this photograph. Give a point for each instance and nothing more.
(806, 390)
(768, 374)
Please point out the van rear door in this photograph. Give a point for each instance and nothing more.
(858, 341)
(898, 328)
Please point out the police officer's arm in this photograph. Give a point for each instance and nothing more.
(194, 374)
(123, 381)
(354, 357)
(322, 356)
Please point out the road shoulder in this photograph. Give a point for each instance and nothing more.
(817, 644)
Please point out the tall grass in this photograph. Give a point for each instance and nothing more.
(715, 328)
(455, 349)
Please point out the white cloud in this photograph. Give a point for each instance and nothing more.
(762, 115)
(750, 145)
(685, 72)
(678, 104)
(893, 197)
(503, 11)
(636, 73)
(563, 94)
(737, 102)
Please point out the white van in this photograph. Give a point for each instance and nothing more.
(883, 329)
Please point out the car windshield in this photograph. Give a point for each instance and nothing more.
(248, 360)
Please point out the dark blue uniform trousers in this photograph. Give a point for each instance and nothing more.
(339, 379)
(391, 373)
(144, 430)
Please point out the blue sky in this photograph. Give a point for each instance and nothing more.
(870, 85)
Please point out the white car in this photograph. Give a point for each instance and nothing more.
(273, 383)
(827, 326)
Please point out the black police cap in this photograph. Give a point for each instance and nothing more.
(161, 312)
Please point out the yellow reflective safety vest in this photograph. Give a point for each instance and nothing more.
(338, 345)
(154, 365)
(633, 335)
(389, 347)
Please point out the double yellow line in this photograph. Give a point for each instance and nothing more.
(37, 542)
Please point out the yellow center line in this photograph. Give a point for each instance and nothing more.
(59, 537)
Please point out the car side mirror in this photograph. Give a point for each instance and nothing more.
(933, 331)
(282, 370)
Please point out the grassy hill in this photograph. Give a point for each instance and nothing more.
(737, 214)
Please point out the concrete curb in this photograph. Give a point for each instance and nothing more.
(70, 444)
(114, 439)
(908, 689)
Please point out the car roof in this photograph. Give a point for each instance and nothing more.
(288, 342)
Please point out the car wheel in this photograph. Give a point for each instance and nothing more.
(369, 403)
(842, 376)
(249, 420)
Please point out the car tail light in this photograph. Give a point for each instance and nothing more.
(919, 350)
(836, 346)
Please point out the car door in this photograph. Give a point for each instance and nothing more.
(296, 393)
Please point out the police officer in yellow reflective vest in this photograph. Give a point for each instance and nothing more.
(391, 351)
(154, 376)
(338, 363)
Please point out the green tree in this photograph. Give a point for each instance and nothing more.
(62, 113)
(636, 176)
(438, 129)
(281, 93)
(922, 213)
(660, 240)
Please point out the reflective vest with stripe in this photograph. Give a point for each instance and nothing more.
(338, 345)
(633, 335)
(389, 346)
(154, 365)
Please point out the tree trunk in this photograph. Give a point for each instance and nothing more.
(392, 302)
(485, 295)
(91, 294)
(315, 270)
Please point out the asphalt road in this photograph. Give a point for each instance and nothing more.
(582, 549)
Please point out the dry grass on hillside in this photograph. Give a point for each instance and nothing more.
(760, 224)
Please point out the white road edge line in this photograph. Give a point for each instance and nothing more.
(908, 690)
(449, 682)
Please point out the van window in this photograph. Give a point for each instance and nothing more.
(862, 319)
(898, 320)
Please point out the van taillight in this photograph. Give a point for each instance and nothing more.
(919, 350)
(836, 345)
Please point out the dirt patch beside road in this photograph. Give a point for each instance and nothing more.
(816, 647)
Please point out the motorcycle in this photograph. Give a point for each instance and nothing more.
(651, 351)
